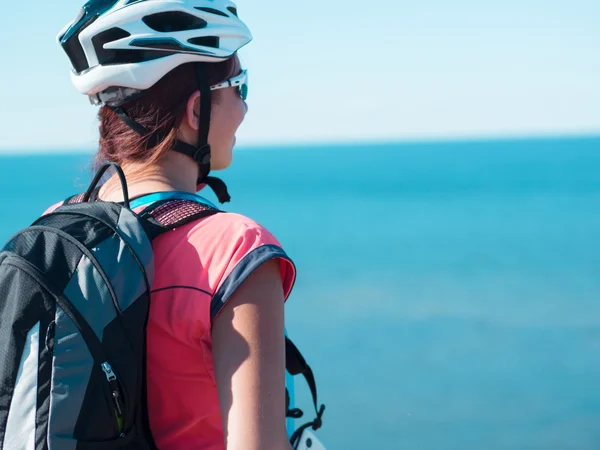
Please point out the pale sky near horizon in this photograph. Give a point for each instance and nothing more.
(348, 70)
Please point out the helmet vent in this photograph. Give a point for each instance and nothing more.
(205, 41)
(211, 11)
(72, 45)
(108, 56)
(174, 21)
(232, 10)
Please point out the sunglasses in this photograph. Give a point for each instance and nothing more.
(240, 81)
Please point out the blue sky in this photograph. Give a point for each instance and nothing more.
(348, 70)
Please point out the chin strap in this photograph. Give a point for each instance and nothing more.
(200, 153)
(202, 157)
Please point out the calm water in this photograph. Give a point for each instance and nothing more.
(448, 294)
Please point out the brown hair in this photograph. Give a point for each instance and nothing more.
(160, 110)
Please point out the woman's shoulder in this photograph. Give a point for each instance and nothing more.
(232, 226)
(233, 238)
(241, 244)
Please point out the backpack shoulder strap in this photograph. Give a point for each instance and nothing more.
(166, 211)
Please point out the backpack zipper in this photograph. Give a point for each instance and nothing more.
(116, 396)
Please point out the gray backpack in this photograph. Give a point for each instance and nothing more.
(74, 303)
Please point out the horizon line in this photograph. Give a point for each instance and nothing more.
(378, 141)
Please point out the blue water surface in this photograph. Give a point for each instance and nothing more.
(448, 294)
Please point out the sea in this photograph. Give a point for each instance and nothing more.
(448, 293)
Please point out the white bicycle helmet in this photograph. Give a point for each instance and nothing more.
(134, 43)
(119, 48)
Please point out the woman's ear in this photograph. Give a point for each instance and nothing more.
(192, 111)
(188, 129)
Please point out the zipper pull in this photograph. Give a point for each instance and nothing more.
(107, 369)
(118, 405)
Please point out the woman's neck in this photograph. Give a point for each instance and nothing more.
(174, 172)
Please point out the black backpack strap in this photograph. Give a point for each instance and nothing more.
(296, 365)
(93, 189)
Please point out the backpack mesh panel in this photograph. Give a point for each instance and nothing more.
(76, 199)
(177, 211)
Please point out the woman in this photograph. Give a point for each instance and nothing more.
(171, 90)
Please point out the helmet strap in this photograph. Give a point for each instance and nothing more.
(199, 153)
(203, 120)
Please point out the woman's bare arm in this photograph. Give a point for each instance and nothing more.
(249, 357)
